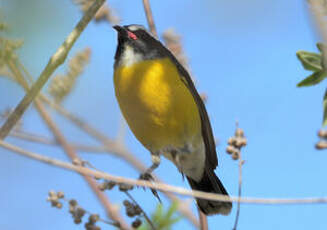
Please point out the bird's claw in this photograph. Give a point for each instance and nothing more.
(148, 177)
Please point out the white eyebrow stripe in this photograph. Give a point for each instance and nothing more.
(135, 27)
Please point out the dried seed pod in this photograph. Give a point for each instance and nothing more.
(235, 155)
(321, 145)
(54, 203)
(322, 133)
(230, 149)
(52, 193)
(130, 211)
(93, 218)
(127, 203)
(79, 212)
(111, 184)
(136, 223)
(243, 142)
(77, 220)
(125, 187)
(231, 140)
(59, 205)
(138, 210)
(239, 132)
(102, 186)
(73, 202)
(60, 194)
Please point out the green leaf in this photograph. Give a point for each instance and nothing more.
(324, 121)
(309, 60)
(313, 79)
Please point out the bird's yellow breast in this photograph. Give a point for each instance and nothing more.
(157, 105)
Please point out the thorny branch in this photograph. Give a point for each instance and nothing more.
(160, 186)
(56, 60)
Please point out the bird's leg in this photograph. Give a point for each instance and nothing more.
(155, 157)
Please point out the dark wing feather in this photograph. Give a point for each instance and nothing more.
(209, 142)
(210, 146)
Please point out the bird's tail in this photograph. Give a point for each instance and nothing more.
(211, 183)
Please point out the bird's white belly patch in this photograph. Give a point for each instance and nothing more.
(189, 160)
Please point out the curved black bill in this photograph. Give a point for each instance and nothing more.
(118, 28)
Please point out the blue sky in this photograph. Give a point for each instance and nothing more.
(242, 54)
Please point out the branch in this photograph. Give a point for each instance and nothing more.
(203, 220)
(57, 59)
(70, 151)
(144, 213)
(161, 186)
(119, 150)
(240, 164)
(111, 146)
(26, 136)
(149, 17)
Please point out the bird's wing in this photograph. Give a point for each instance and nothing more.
(210, 146)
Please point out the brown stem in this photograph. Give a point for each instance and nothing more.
(161, 186)
(149, 17)
(27, 136)
(144, 213)
(56, 60)
(119, 150)
(69, 150)
(240, 164)
(203, 220)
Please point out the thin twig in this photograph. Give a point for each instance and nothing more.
(69, 150)
(56, 60)
(149, 17)
(203, 220)
(144, 213)
(118, 150)
(113, 147)
(161, 186)
(240, 164)
(27, 136)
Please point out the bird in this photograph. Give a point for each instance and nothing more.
(163, 109)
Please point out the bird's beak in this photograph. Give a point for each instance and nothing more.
(122, 32)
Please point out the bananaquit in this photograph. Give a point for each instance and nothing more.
(165, 112)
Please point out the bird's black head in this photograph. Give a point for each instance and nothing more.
(134, 42)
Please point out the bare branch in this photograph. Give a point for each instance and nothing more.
(162, 186)
(144, 213)
(149, 17)
(57, 59)
(113, 147)
(119, 150)
(23, 135)
(70, 151)
(240, 164)
(203, 220)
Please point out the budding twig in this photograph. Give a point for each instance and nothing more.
(56, 60)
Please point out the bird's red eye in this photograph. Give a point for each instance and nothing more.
(132, 35)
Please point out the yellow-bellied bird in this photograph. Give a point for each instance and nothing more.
(165, 112)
